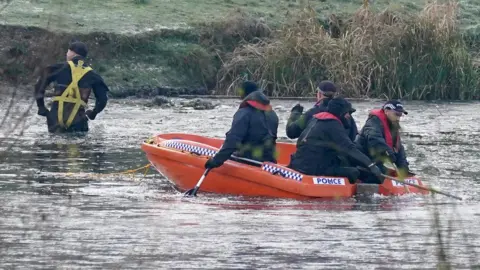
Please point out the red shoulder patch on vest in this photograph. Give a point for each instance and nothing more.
(258, 105)
(326, 116)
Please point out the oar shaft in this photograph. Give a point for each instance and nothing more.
(193, 192)
(248, 160)
(447, 194)
(201, 179)
(421, 187)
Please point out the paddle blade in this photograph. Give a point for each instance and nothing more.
(191, 192)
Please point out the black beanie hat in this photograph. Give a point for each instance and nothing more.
(79, 48)
(339, 106)
(248, 87)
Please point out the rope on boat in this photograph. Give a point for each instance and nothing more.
(130, 172)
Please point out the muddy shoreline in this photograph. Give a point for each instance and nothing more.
(150, 93)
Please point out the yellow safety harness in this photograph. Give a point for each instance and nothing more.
(72, 93)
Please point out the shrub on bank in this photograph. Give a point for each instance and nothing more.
(420, 56)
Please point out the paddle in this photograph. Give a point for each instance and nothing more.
(254, 162)
(421, 187)
(193, 191)
(415, 185)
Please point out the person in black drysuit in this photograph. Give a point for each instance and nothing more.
(72, 119)
(253, 133)
(298, 120)
(380, 139)
(325, 142)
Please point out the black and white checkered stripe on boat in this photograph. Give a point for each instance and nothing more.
(282, 172)
(190, 148)
(208, 152)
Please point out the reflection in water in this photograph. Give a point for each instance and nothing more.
(69, 156)
(61, 206)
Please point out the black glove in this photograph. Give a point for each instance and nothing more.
(376, 171)
(42, 111)
(405, 171)
(91, 114)
(297, 108)
(212, 163)
(405, 166)
(392, 157)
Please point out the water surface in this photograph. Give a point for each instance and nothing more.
(62, 205)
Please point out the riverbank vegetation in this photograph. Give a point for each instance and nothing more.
(402, 50)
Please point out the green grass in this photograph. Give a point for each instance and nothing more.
(127, 16)
(132, 16)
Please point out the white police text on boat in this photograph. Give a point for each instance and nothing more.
(408, 180)
(329, 181)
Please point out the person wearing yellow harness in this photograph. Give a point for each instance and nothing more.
(74, 81)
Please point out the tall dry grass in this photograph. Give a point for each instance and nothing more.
(422, 56)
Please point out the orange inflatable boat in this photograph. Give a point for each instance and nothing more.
(181, 158)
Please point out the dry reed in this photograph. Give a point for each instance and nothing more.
(421, 56)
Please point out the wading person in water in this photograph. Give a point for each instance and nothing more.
(253, 133)
(74, 81)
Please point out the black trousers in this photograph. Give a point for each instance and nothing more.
(54, 127)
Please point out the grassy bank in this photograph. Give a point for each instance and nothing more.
(199, 47)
